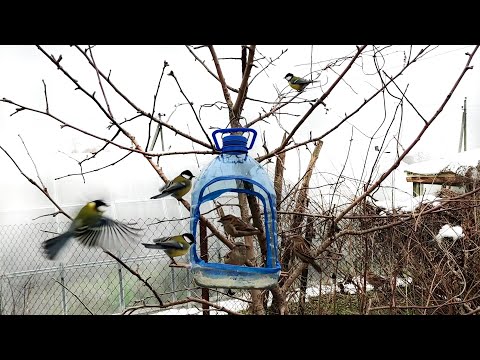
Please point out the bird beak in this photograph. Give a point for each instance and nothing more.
(102, 208)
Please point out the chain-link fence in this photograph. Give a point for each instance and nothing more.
(89, 280)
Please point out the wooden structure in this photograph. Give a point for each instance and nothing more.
(447, 178)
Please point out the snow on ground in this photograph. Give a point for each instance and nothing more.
(232, 304)
(238, 305)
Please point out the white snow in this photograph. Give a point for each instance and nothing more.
(451, 162)
(232, 304)
(238, 305)
(448, 231)
(408, 204)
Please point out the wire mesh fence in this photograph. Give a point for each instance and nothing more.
(418, 272)
(89, 281)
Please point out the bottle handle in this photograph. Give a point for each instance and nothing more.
(231, 130)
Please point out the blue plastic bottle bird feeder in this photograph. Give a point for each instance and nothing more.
(235, 171)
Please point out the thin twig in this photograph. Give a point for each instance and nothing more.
(71, 292)
(90, 171)
(133, 272)
(33, 162)
(188, 299)
(221, 78)
(403, 94)
(44, 191)
(139, 151)
(193, 109)
(52, 214)
(137, 109)
(46, 98)
(165, 64)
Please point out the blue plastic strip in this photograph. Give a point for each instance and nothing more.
(245, 269)
(214, 195)
(270, 200)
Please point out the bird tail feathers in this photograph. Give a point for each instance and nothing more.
(52, 246)
(159, 196)
(154, 246)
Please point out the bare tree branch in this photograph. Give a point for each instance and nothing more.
(43, 190)
(34, 165)
(45, 92)
(133, 272)
(226, 94)
(191, 106)
(76, 297)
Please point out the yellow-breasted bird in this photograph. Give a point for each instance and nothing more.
(303, 252)
(236, 227)
(296, 82)
(91, 228)
(177, 187)
(237, 255)
(173, 246)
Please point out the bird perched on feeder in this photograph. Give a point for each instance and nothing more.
(236, 227)
(173, 246)
(92, 229)
(237, 255)
(303, 252)
(296, 82)
(177, 187)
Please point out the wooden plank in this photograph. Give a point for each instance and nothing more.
(446, 178)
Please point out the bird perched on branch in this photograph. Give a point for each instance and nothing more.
(177, 187)
(296, 82)
(92, 229)
(377, 281)
(237, 255)
(236, 227)
(303, 252)
(173, 246)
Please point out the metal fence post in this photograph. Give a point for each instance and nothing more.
(204, 257)
(1, 296)
(64, 293)
(121, 292)
(174, 295)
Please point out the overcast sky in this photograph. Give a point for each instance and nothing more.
(136, 70)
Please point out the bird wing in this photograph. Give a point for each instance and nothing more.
(167, 243)
(241, 225)
(299, 81)
(172, 187)
(304, 255)
(106, 233)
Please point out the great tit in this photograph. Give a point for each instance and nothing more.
(237, 255)
(236, 227)
(296, 82)
(177, 187)
(173, 246)
(303, 252)
(92, 229)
